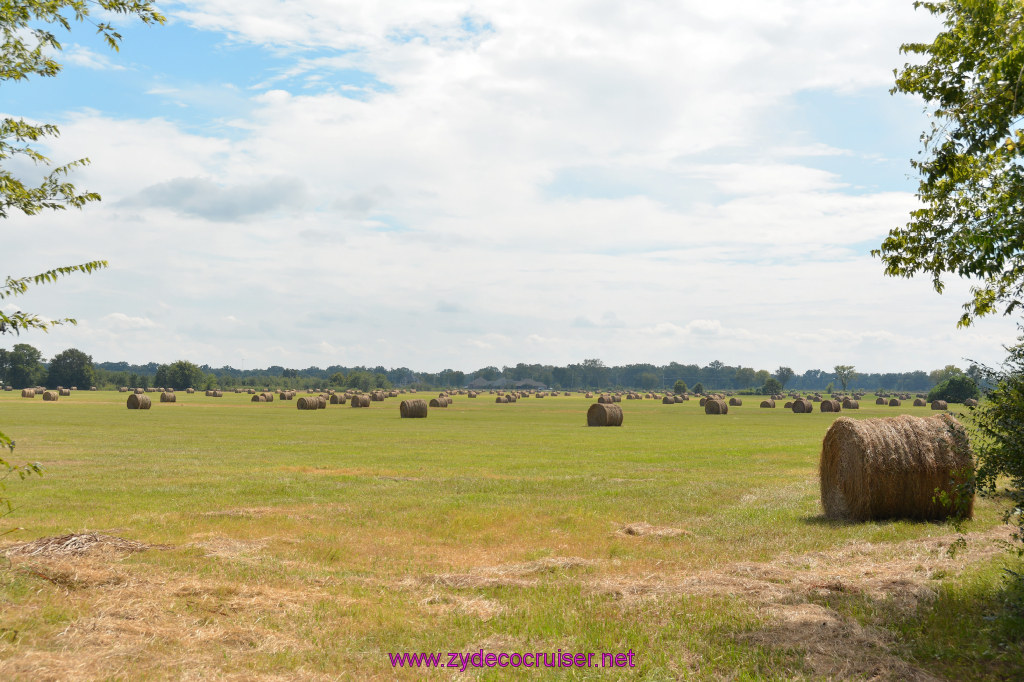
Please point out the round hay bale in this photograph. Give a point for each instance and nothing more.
(28, 393)
(604, 414)
(716, 406)
(604, 399)
(936, 405)
(268, 395)
(360, 401)
(894, 402)
(307, 402)
(890, 468)
(788, 405)
(500, 399)
(803, 406)
(970, 402)
(321, 402)
(413, 409)
(920, 402)
(703, 401)
(735, 402)
(65, 392)
(616, 398)
(337, 399)
(190, 391)
(768, 403)
(439, 402)
(668, 400)
(588, 395)
(50, 396)
(850, 404)
(139, 401)
(139, 391)
(511, 397)
(258, 398)
(831, 406)
(880, 401)
(168, 397)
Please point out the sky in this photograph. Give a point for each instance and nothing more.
(453, 184)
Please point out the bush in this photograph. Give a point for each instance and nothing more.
(771, 387)
(679, 388)
(955, 389)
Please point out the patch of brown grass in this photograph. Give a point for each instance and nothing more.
(643, 529)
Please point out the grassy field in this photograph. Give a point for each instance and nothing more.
(256, 540)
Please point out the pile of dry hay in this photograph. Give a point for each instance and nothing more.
(75, 544)
(891, 468)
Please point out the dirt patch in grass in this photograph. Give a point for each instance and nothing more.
(507, 575)
(642, 529)
(223, 547)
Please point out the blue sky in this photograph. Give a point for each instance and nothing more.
(455, 184)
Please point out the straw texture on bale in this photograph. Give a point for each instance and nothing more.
(28, 393)
(939, 405)
(360, 401)
(439, 402)
(831, 406)
(50, 396)
(168, 397)
(604, 414)
(413, 409)
(308, 402)
(716, 406)
(139, 401)
(735, 402)
(890, 468)
(768, 403)
(803, 406)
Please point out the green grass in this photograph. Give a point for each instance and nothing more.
(310, 543)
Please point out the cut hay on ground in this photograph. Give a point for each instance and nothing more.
(76, 544)
(413, 409)
(891, 468)
(604, 414)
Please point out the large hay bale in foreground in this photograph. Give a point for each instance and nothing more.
(168, 397)
(939, 405)
(891, 468)
(139, 401)
(716, 406)
(803, 406)
(413, 409)
(604, 414)
(768, 403)
(831, 406)
(50, 396)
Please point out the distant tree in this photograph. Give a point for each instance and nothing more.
(179, 376)
(761, 376)
(955, 389)
(937, 376)
(829, 387)
(745, 377)
(680, 387)
(845, 374)
(772, 386)
(71, 368)
(649, 381)
(24, 366)
(784, 374)
(698, 388)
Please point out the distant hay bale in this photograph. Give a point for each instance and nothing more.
(939, 405)
(377, 396)
(682, 398)
(920, 402)
(269, 396)
(139, 391)
(880, 401)
(588, 395)
(360, 401)
(803, 406)
(735, 402)
(28, 393)
(258, 398)
(604, 414)
(93, 388)
(894, 402)
(716, 406)
(616, 398)
(500, 399)
(168, 397)
(439, 402)
(321, 402)
(190, 391)
(768, 403)
(65, 392)
(703, 401)
(850, 404)
(788, 405)
(413, 409)
(605, 399)
(970, 402)
(50, 396)
(139, 401)
(831, 406)
(308, 402)
(337, 399)
(511, 397)
(668, 400)
(891, 468)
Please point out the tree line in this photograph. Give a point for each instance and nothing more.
(24, 365)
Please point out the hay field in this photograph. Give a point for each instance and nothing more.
(220, 538)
